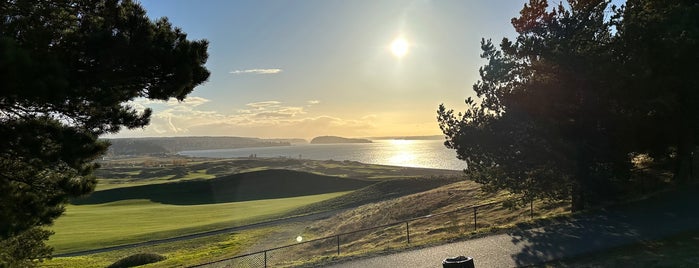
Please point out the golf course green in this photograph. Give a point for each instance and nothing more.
(155, 211)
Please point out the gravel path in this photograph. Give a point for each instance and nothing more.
(621, 225)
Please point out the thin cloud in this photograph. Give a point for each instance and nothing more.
(369, 117)
(273, 115)
(262, 104)
(190, 101)
(257, 71)
(261, 119)
(313, 101)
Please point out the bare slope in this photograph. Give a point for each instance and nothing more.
(380, 191)
(450, 197)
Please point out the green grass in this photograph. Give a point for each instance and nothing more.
(127, 179)
(162, 169)
(266, 184)
(94, 226)
(138, 203)
(146, 211)
(179, 254)
(386, 201)
(120, 183)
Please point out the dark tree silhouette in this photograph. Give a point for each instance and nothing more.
(68, 70)
(547, 125)
(584, 86)
(660, 44)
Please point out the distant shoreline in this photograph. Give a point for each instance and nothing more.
(336, 139)
(402, 153)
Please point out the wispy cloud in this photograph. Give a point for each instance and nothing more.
(264, 118)
(189, 101)
(257, 71)
(313, 101)
(141, 103)
(271, 110)
(263, 104)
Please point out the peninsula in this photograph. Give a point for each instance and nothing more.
(335, 139)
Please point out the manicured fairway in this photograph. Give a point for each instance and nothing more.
(101, 225)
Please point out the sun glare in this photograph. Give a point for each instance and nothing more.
(401, 142)
(399, 47)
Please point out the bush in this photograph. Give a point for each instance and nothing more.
(136, 260)
(25, 249)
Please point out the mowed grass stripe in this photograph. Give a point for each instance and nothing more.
(86, 227)
(265, 184)
(147, 212)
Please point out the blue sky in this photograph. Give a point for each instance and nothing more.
(283, 69)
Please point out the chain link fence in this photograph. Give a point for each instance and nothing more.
(399, 234)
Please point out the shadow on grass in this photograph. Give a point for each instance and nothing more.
(377, 192)
(267, 184)
(650, 219)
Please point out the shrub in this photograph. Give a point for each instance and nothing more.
(136, 260)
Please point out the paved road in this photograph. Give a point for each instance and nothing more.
(650, 219)
(310, 217)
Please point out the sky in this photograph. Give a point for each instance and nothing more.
(300, 69)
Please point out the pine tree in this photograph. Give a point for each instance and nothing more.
(547, 124)
(68, 70)
(660, 44)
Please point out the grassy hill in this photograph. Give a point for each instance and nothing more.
(389, 194)
(380, 191)
(143, 212)
(86, 227)
(257, 185)
(442, 199)
(148, 198)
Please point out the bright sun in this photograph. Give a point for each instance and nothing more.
(399, 47)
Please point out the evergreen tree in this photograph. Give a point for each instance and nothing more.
(548, 124)
(68, 70)
(660, 44)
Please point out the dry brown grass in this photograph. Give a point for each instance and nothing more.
(446, 198)
(451, 207)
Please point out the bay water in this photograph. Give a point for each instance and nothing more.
(407, 153)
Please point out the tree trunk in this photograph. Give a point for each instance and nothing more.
(581, 177)
(683, 164)
(577, 197)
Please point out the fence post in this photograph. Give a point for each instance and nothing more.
(475, 219)
(265, 259)
(407, 229)
(338, 244)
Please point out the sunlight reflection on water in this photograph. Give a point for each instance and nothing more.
(402, 153)
(409, 153)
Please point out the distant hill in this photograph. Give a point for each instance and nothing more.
(335, 139)
(171, 145)
(292, 141)
(256, 185)
(432, 137)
